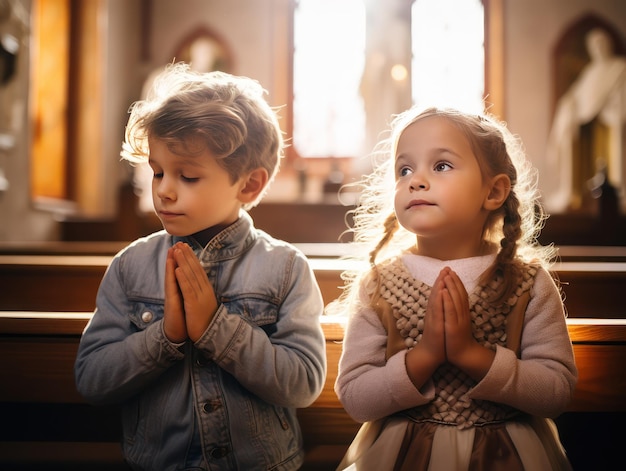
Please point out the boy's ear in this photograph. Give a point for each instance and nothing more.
(252, 185)
(499, 192)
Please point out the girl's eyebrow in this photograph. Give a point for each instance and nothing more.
(435, 152)
(447, 150)
(400, 158)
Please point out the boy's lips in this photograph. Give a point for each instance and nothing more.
(169, 214)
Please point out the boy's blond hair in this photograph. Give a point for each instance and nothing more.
(194, 112)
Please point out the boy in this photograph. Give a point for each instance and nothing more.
(206, 332)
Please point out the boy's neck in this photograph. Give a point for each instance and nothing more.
(204, 236)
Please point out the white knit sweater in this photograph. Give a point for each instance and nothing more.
(540, 383)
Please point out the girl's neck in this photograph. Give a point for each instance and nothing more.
(453, 251)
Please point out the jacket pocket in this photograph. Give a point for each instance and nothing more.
(256, 309)
(145, 312)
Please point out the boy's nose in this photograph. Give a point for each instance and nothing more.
(165, 189)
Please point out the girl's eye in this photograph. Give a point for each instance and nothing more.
(157, 175)
(442, 166)
(404, 171)
(189, 179)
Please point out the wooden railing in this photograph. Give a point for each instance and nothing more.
(70, 282)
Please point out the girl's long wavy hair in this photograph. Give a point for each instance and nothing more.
(514, 227)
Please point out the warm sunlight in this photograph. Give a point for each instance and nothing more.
(333, 88)
(448, 54)
(329, 44)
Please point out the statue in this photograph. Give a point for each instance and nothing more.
(588, 128)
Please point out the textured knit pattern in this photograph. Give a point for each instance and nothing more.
(407, 298)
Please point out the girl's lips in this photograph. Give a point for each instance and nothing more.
(414, 203)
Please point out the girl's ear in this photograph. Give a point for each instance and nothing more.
(499, 192)
(252, 185)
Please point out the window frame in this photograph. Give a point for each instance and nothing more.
(494, 79)
(83, 107)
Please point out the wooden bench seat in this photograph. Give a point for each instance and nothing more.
(47, 422)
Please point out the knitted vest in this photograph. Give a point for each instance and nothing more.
(492, 326)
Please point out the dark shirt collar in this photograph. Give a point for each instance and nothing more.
(218, 243)
(204, 236)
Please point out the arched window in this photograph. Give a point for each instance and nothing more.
(357, 62)
(329, 55)
(448, 53)
(67, 155)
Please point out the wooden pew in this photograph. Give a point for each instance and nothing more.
(69, 283)
(47, 423)
(49, 290)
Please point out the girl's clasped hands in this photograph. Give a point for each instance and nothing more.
(447, 335)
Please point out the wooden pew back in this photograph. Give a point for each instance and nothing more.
(70, 282)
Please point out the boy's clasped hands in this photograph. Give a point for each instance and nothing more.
(190, 300)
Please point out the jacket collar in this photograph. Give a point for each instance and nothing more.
(227, 244)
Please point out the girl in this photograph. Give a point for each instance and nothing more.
(456, 351)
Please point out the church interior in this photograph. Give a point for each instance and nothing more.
(553, 70)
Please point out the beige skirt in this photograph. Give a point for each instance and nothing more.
(398, 444)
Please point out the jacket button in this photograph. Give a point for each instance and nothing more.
(219, 452)
(202, 360)
(211, 406)
(147, 316)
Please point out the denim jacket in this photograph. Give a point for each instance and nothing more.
(229, 400)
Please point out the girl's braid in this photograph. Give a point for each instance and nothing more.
(511, 228)
(390, 226)
(506, 264)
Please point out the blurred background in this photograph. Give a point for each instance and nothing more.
(339, 70)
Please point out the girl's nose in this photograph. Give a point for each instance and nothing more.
(418, 182)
